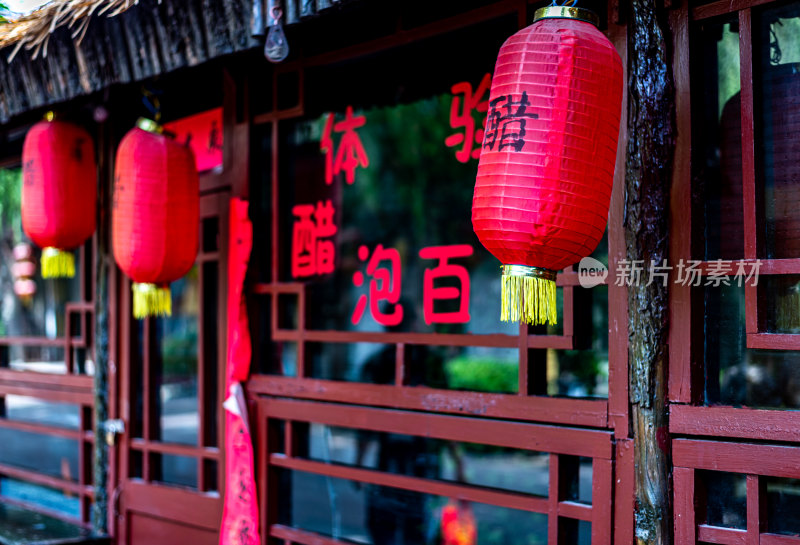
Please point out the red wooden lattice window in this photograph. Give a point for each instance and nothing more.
(734, 358)
(366, 178)
(46, 368)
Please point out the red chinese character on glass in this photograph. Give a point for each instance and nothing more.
(461, 116)
(312, 250)
(442, 270)
(385, 285)
(351, 152)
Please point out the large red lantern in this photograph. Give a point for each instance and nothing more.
(547, 165)
(59, 192)
(156, 215)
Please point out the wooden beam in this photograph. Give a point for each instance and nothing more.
(651, 104)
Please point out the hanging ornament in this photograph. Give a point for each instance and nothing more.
(276, 48)
(155, 216)
(23, 270)
(59, 192)
(546, 168)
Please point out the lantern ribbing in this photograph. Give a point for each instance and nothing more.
(155, 216)
(546, 168)
(59, 192)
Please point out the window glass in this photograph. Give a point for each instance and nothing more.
(37, 411)
(376, 515)
(783, 506)
(175, 366)
(727, 498)
(54, 456)
(717, 148)
(375, 198)
(481, 465)
(41, 496)
(776, 60)
(737, 375)
(29, 305)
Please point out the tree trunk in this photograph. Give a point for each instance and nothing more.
(647, 180)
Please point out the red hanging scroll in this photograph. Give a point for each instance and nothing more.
(240, 514)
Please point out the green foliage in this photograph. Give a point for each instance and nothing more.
(10, 195)
(179, 355)
(481, 375)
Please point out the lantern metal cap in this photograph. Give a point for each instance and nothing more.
(567, 12)
(149, 125)
(526, 270)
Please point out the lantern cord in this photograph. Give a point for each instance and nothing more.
(151, 300)
(528, 299)
(57, 263)
(568, 3)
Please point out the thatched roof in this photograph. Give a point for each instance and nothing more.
(33, 31)
(70, 48)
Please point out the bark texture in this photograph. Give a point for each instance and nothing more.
(100, 462)
(648, 176)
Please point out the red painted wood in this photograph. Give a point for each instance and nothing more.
(754, 510)
(777, 539)
(618, 295)
(683, 505)
(77, 383)
(553, 500)
(680, 373)
(576, 412)
(49, 394)
(179, 505)
(511, 500)
(580, 511)
(160, 531)
(293, 535)
(768, 460)
(176, 449)
(602, 510)
(735, 422)
(538, 437)
(721, 7)
(624, 494)
(422, 339)
(724, 536)
(44, 480)
(771, 341)
(55, 431)
(748, 145)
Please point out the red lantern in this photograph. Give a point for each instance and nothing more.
(547, 165)
(59, 192)
(156, 215)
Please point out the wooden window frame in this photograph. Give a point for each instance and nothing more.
(70, 387)
(613, 502)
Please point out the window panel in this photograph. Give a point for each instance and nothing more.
(41, 496)
(377, 515)
(741, 376)
(726, 499)
(54, 456)
(37, 411)
(777, 90)
(717, 149)
(480, 465)
(783, 506)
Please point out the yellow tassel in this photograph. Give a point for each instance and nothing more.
(57, 263)
(528, 298)
(151, 300)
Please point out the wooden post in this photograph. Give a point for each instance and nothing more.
(647, 180)
(100, 466)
